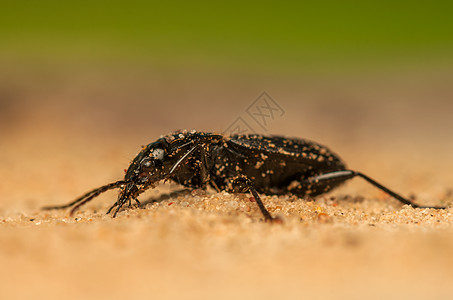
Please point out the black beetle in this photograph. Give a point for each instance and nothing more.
(272, 165)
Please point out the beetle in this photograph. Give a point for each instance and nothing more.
(259, 164)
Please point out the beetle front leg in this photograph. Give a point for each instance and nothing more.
(129, 203)
(243, 184)
(121, 201)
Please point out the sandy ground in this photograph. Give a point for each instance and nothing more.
(64, 135)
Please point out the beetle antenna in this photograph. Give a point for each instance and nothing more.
(87, 197)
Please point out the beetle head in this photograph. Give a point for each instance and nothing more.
(146, 170)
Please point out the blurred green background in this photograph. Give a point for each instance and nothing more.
(282, 34)
(347, 73)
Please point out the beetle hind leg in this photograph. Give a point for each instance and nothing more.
(323, 183)
(393, 194)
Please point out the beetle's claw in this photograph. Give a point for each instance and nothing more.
(119, 204)
(116, 211)
(274, 220)
(112, 207)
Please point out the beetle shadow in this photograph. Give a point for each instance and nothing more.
(164, 197)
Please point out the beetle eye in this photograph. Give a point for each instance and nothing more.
(158, 153)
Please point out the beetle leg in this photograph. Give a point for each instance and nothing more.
(337, 177)
(129, 203)
(393, 194)
(117, 209)
(118, 204)
(244, 184)
(214, 185)
(112, 207)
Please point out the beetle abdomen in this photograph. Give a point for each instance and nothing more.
(272, 162)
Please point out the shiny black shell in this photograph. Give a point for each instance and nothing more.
(275, 164)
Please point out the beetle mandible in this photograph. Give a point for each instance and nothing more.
(271, 165)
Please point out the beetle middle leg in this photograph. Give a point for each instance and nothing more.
(243, 184)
